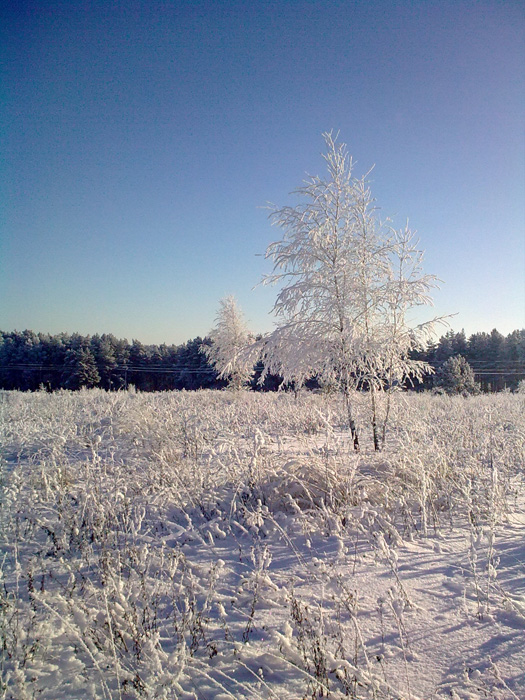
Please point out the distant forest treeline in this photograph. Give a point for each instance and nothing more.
(29, 361)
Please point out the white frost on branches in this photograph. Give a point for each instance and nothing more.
(230, 339)
(347, 282)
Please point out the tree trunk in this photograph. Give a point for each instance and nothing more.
(351, 423)
(377, 444)
(387, 415)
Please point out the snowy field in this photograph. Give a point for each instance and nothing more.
(215, 545)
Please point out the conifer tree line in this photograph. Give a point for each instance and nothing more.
(30, 361)
(498, 361)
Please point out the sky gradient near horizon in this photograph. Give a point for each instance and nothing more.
(142, 140)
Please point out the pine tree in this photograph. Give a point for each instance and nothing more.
(456, 376)
(102, 348)
(80, 369)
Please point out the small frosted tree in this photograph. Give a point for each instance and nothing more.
(456, 376)
(230, 339)
(347, 284)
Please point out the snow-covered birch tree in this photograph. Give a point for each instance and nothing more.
(230, 339)
(347, 282)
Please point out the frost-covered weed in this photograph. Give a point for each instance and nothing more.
(138, 534)
(453, 457)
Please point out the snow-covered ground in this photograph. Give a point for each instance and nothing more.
(232, 545)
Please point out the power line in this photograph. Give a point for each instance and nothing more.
(478, 368)
(188, 369)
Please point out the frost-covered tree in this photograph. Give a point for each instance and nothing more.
(230, 339)
(347, 282)
(103, 351)
(80, 369)
(456, 376)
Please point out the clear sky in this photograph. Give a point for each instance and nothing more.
(142, 139)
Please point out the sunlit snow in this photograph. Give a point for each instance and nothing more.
(232, 545)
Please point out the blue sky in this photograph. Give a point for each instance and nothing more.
(141, 141)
